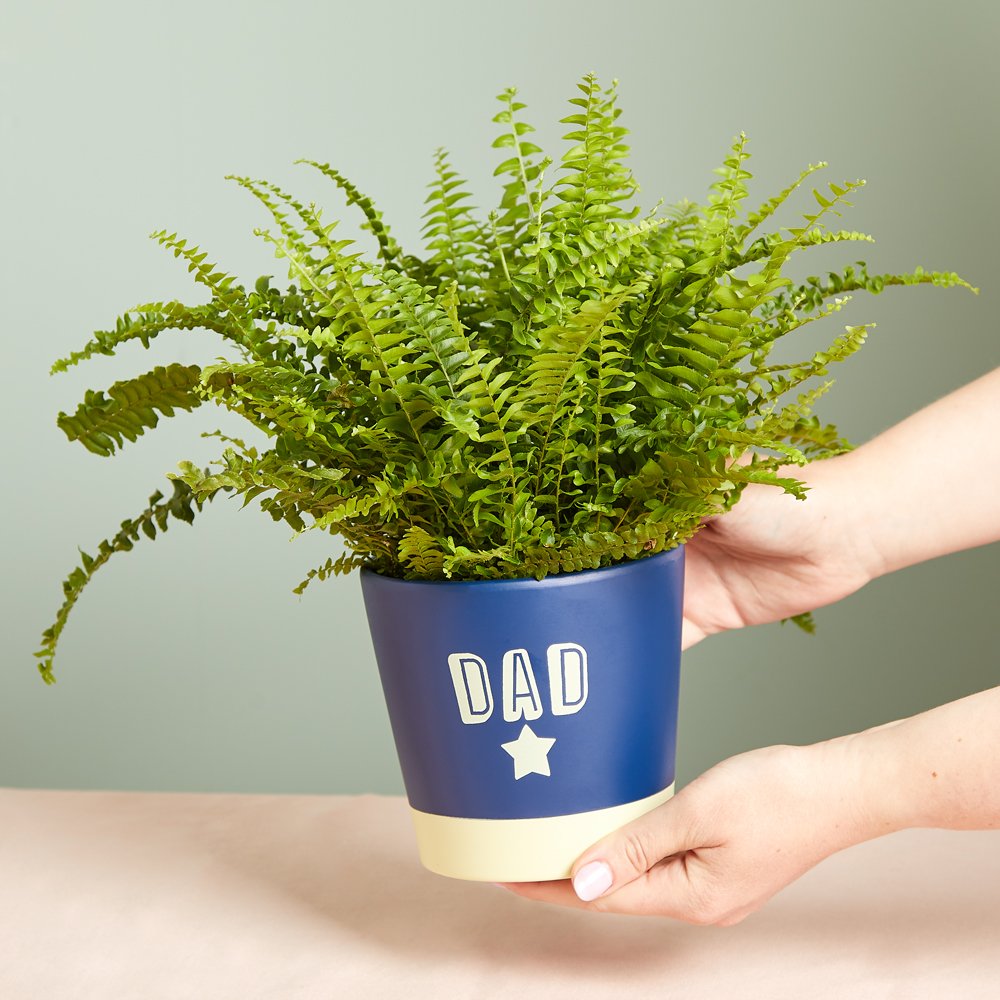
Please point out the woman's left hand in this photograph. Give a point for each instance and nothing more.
(727, 842)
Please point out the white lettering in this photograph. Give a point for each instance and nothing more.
(472, 687)
(568, 687)
(567, 677)
(520, 692)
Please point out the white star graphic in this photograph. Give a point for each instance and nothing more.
(530, 753)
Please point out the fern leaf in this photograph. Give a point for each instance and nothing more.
(804, 621)
(451, 232)
(550, 384)
(757, 218)
(357, 506)
(564, 272)
(388, 249)
(180, 506)
(431, 335)
(479, 562)
(816, 237)
(342, 564)
(719, 237)
(281, 401)
(149, 320)
(262, 191)
(815, 291)
(105, 420)
(520, 206)
(420, 553)
(223, 286)
(595, 181)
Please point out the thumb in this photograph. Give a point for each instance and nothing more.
(631, 851)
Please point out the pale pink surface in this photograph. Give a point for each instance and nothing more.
(115, 896)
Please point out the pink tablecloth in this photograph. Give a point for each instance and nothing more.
(121, 896)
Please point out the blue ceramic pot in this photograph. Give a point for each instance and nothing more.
(531, 718)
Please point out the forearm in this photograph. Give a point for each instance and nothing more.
(928, 486)
(937, 769)
(744, 829)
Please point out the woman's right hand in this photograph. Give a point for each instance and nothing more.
(773, 556)
(928, 486)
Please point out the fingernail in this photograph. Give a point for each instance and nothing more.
(592, 880)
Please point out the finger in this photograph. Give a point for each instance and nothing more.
(631, 851)
(691, 634)
(559, 892)
(679, 888)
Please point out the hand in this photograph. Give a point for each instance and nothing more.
(729, 841)
(924, 488)
(773, 556)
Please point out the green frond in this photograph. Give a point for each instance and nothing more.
(755, 474)
(804, 621)
(357, 506)
(565, 273)
(434, 339)
(421, 555)
(383, 352)
(550, 384)
(451, 232)
(388, 249)
(520, 209)
(594, 549)
(811, 294)
(239, 443)
(595, 183)
(793, 422)
(287, 490)
(263, 191)
(224, 288)
(569, 384)
(816, 237)
(180, 506)
(719, 238)
(828, 204)
(346, 562)
(149, 320)
(310, 264)
(755, 219)
(465, 562)
(278, 399)
(815, 439)
(105, 420)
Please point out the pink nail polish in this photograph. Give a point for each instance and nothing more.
(593, 880)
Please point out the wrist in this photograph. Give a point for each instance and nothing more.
(858, 483)
(936, 769)
(861, 792)
(851, 518)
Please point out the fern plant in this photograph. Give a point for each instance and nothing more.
(562, 384)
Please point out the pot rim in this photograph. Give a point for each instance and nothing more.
(552, 580)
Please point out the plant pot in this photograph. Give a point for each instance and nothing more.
(531, 718)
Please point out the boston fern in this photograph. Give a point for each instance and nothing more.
(559, 386)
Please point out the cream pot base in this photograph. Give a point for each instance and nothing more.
(519, 850)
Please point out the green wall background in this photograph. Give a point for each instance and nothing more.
(189, 664)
